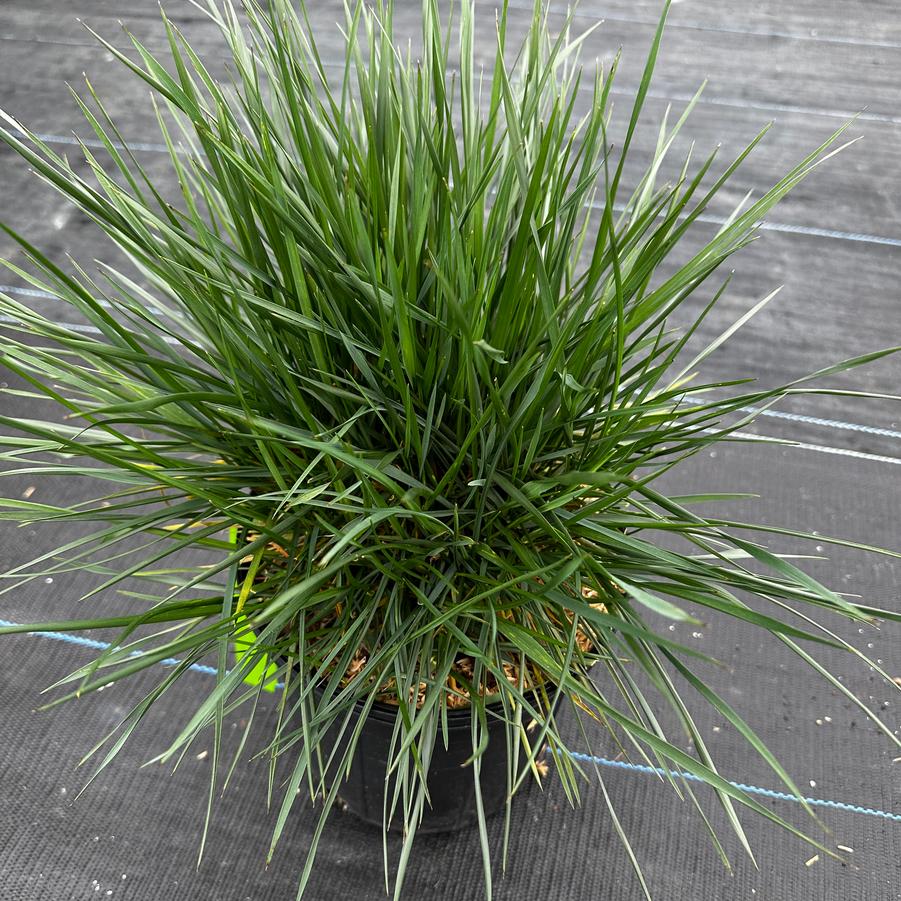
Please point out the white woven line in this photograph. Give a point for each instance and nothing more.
(818, 448)
(46, 295)
(815, 232)
(610, 17)
(750, 31)
(779, 414)
(630, 92)
(703, 100)
(582, 13)
(71, 140)
(826, 112)
(827, 423)
(784, 227)
(87, 329)
(27, 292)
(54, 42)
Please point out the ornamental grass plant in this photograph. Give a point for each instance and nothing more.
(381, 395)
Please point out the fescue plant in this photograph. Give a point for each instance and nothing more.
(383, 393)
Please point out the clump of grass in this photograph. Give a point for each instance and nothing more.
(395, 370)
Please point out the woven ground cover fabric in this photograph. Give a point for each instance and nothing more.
(134, 834)
(144, 822)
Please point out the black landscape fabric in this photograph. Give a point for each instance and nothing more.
(135, 831)
(134, 834)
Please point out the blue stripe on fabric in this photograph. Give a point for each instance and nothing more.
(741, 786)
(93, 643)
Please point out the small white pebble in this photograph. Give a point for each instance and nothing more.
(828, 719)
(96, 839)
(716, 728)
(813, 784)
(124, 876)
(812, 861)
(49, 580)
(202, 755)
(109, 891)
(28, 492)
(845, 848)
(819, 722)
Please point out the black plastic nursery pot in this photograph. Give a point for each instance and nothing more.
(450, 781)
(451, 803)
